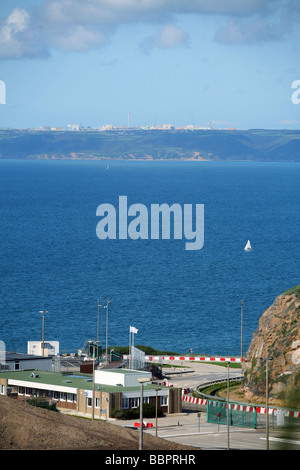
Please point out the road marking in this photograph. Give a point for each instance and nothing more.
(279, 439)
(187, 434)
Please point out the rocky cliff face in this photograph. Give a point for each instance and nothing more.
(277, 337)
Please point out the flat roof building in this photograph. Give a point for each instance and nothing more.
(113, 389)
(43, 348)
(21, 361)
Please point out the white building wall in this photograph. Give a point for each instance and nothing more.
(51, 348)
(125, 378)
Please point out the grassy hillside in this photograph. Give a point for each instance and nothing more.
(256, 145)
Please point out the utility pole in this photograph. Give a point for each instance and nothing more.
(43, 313)
(98, 330)
(242, 303)
(93, 394)
(228, 406)
(267, 359)
(106, 306)
(142, 381)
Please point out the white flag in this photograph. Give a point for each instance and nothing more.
(133, 329)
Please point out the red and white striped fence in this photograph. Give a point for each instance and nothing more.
(193, 359)
(241, 407)
(189, 358)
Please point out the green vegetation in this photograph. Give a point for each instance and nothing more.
(294, 290)
(42, 403)
(216, 389)
(148, 350)
(134, 413)
(255, 145)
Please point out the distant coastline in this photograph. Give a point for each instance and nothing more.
(203, 145)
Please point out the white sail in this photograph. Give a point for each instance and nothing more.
(248, 246)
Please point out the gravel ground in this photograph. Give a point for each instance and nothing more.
(26, 427)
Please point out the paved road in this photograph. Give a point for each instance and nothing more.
(198, 373)
(185, 428)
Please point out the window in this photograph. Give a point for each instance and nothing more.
(2, 389)
(145, 399)
(89, 402)
(17, 365)
(125, 403)
(55, 395)
(70, 397)
(135, 402)
(164, 400)
(27, 391)
(62, 396)
(97, 403)
(21, 390)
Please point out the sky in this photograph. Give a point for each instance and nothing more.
(144, 62)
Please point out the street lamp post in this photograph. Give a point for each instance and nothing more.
(93, 398)
(98, 329)
(142, 380)
(156, 396)
(267, 359)
(43, 313)
(106, 306)
(228, 405)
(242, 304)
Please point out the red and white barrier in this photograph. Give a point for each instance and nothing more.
(189, 358)
(194, 400)
(145, 425)
(165, 383)
(193, 359)
(241, 407)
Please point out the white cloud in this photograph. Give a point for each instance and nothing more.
(16, 23)
(168, 36)
(76, 25)
(79, 39)
(16, 38)
(247, 32)
(265, 27)
(171, 36)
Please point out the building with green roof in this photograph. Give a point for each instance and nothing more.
(89, 394)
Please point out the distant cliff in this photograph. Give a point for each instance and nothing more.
(136, 144)
(277, 337)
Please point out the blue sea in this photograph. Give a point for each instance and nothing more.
(51, 258)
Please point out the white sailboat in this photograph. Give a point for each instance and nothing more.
(248, 246)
